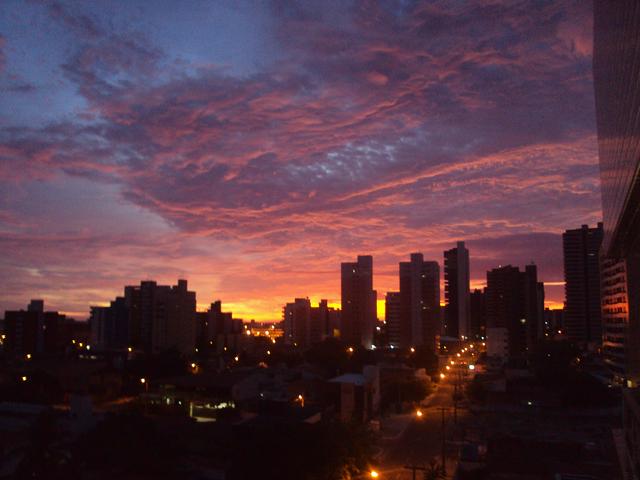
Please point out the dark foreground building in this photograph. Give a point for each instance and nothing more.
(419, 303)
(358, 302)
(616, 72)
(581, 248)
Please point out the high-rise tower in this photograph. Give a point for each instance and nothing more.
(456, 291)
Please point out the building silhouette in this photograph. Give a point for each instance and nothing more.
(217, 330)
(392, 318)
(456, 291)
(149, 317)
(581, 248)
(36, 332)
(419, 303)
(305, 325)
(358, 302)
(514, 307)
(477, 314)
(616, 69)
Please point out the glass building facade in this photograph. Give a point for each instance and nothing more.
(616, 71)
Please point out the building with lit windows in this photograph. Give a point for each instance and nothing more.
(615, 317)
(616, 74)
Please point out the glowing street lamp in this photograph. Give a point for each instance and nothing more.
(419, 413)
(413, 350)
(442, 375)
(374, 474)
(448, 367)
(472, 367)
(24, 378)
(350, 349)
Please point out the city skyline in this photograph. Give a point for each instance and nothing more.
(253, 166)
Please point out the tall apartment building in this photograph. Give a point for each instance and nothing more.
(419, 303)
(392, 318)
(35, 331)
(217, 330)
(477, 314)
(305, 325)
(581, 248)
(297, 322)
(151, 317)
(616, 70)
(513, 311)
(358, 302)
(110, 326)
(456, 292)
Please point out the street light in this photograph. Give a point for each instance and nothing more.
(442, 375)
(419, 413)
(374, 474)
(472, 367)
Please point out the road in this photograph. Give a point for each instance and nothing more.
(421, 442)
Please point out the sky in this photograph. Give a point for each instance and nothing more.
(250, 147)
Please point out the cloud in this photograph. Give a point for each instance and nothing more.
(3, 58)
(386, 129)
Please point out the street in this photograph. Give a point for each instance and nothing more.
(421, 442)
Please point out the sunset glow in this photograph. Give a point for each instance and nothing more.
(251, 148)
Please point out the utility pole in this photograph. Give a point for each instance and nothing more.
(414, 469)
(444, 442)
